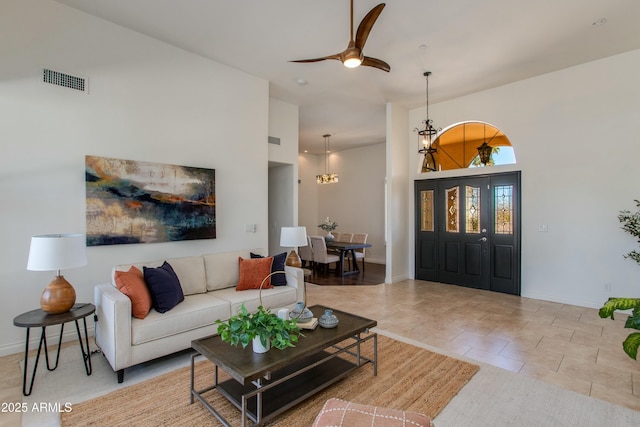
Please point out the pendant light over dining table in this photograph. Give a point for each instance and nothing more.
(327, 177)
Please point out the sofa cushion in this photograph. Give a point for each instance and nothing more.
(276, 297)
(190, 272)
(194, 312)
(164, 287)
(337, 412)
(131, 283)
(125, 267)
(254, 273)
(222, 269)
(279, 279)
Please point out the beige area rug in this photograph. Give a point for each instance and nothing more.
(409, 378)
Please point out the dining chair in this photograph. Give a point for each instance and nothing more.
(306, 254)
(345, 237)
(320, 254)
(360, 238)
(336, 238)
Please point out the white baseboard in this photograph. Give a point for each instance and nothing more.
(400, 278)
(562, 300)
(53, 334)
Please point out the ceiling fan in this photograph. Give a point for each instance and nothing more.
(352, 56)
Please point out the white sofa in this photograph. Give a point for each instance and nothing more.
(209, 285)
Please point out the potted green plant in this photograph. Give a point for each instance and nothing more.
(261, 327)
(328, 225)
(631, 224)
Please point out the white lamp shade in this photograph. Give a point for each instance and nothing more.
(291, 237)
(57, 252)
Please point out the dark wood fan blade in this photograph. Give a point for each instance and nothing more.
(336, 56)
(367, 23)
(376, 63)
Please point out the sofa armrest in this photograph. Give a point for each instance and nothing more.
(295, 278)
(113, 328)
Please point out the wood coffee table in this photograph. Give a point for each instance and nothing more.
(265, 385)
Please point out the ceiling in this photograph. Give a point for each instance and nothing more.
(468, 45)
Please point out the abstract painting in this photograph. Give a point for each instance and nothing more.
(140, 202)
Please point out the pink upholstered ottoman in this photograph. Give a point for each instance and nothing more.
(337, 412)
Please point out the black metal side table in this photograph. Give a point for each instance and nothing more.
(38, 318)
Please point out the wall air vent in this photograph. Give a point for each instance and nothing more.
(65, 80)
(274, 140)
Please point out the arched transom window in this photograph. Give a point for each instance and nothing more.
(467, 145)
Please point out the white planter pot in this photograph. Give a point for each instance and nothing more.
(258, 347)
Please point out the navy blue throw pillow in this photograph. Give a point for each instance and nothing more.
(277, 265)
(164, 287)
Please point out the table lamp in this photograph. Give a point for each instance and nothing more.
(292, 237)
(57, 252)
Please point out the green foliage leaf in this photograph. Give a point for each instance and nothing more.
(631, 344)
(631, 224)
(245, 326)
(633, 321)
(613, 304)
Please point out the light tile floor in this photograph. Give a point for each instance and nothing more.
(566, 345)
(561, 344)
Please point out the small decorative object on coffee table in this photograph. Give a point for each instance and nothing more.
(328, 319)
(301, 313)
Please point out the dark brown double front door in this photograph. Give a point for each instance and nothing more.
(468, 231)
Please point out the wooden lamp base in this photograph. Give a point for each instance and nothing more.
(293, 260)
(58, 297)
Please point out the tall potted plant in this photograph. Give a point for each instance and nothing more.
(631, 224)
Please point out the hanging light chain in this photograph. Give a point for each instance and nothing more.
(426, 75)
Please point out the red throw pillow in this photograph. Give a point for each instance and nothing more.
(131, 283)
(252, 273)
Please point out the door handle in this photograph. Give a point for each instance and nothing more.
(484, 239)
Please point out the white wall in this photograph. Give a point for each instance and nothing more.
(576, 138)
(147, 101)
(356, 203)
(308, 192)
(281, 207)
(399, 198)
(283, 171)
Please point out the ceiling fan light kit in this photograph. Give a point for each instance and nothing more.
(353, 55)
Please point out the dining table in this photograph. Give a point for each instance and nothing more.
(347, 249)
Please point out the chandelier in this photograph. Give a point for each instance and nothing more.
(426, 137)
(326, 178)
